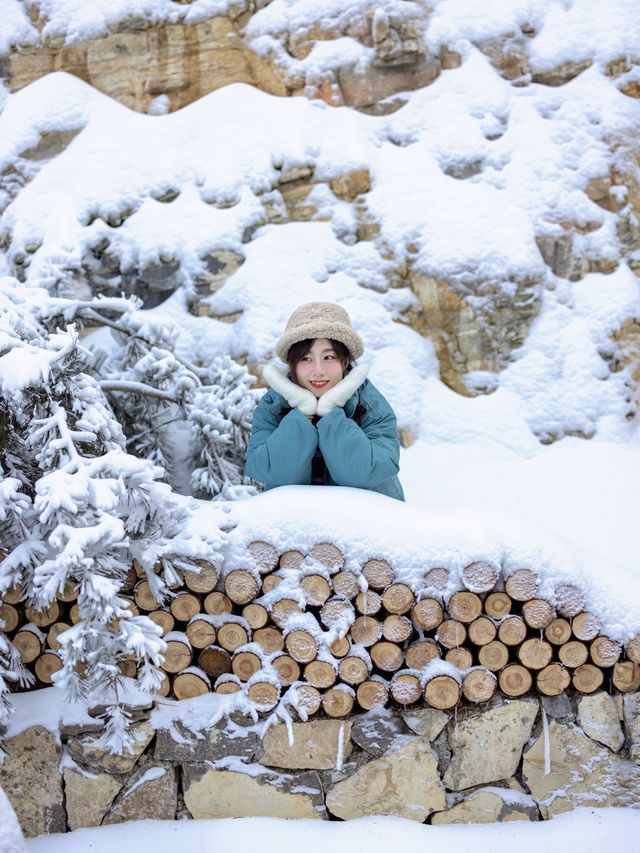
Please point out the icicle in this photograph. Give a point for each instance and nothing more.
(340, 752)
(547, 745)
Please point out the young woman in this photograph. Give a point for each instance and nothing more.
(325, 423)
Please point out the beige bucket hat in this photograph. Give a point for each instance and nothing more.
(319, 320)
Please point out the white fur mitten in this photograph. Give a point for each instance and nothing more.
(297, 397)
(340, 393)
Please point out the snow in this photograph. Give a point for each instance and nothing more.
(596, 830)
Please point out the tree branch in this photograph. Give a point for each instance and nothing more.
(123, 387)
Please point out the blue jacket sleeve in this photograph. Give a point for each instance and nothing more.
(280, 449)
(362, 457)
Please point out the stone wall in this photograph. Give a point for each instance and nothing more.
(522, 760)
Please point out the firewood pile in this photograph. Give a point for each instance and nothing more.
(354, 638)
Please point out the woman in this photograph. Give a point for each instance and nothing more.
(325, 423)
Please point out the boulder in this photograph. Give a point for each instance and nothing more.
(487, 746)
(427, 722)
(98, 758)
(315, 745)
(403, 782)
(88, 796)
(631, 708)
(375, 731)
(580, 773)
(151, 793)
(599, 718)
(490, 805)
(210, 744)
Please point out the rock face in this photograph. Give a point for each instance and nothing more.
(403, 782)
(582, 773)
(316, 745)
(427, 722)
(96, 758)
(226, 793)
(151, 793)
(488, 746)
(599, 718)
(88, 796)
(490, 806)
(32, 782)
(631, 705)
(208, 745)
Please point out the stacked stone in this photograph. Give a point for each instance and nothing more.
(343, 637)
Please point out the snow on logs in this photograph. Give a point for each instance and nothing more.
(346, 636)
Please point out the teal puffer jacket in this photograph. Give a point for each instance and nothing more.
(363, 454)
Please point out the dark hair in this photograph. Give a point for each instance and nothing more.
(298, 351)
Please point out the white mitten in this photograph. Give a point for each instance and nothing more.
(297, 397)
(340, 393)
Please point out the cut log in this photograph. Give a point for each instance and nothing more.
(569, 600)
(337, 612)
(585, 626)
(459, 657)
(54, 632)
(535, 653)
(387, 656)
(217, 603)
(9, 618)
(256, 615)
(406, 688)
(420, 653)
(481, 631)
(178, 654)
(163, 618)
(201, 632)
(228, 683)
(231, 635)
(316, 589)
(329, 555)
(282, 609)
(288, 670)
(269, 639)
(494, 656)
(241, 586)
(70, 590)
(371, 694)
(301, 645)
(46, 666)
(214, 661)
(479, 685)
(128, 667)
(29, 641)
(626, 676)
(308, 699)
(573, 654)
(604, 651)
(396, 628)
(553, 679)
(245, 664)
(497, 605)
(165, 686)
(190, 683)
(366, 630)
(398, 598)
(143, 596)
(442, 692)
(522, 585)
(128, 585)
(43, 618)
(265, 555)
(512, 631)
(338, 701)
(291, 559)
(264, 694)
(464, 606)
(270, 582)
(479, 576)
(320, 674)
(632, 649)
(515, 680)
(451, 633)
(74, 613)
(13, 595)
(378, 573)
(368, 603)
(353, 670)
(436, 578)
(185, 606)
(347, 584)
(587, 678)
(558, 631)
(427, 614)
(203, 581)
(537, 613)
(340, 647)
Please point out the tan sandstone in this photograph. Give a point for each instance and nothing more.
(316, 745)
(599, 718)
(489, 806)
(88, 796)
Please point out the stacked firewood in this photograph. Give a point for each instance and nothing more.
(360, 637)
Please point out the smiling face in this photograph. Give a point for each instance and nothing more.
(320, 368)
